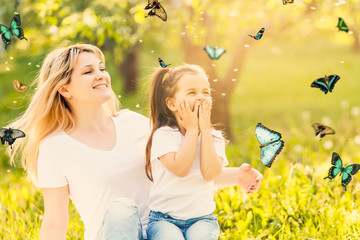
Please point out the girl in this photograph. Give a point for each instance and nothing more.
(184, 155)
(79, 146)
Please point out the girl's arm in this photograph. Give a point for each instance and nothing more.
(180, 162)
(245, 176)
(55, 219)
(210, 162)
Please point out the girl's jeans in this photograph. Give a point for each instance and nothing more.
(163, 227)
(121, 222)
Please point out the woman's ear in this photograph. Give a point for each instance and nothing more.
(64, 92)
(170, 103)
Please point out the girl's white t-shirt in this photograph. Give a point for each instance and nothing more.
(181, 197)
(97, 177)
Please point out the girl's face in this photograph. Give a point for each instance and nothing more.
(192, 87)
(90, 82)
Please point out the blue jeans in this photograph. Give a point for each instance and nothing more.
(163, 227)
(121, 221)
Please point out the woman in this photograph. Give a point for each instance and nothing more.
(79, 146)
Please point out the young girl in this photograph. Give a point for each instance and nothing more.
(184, 155)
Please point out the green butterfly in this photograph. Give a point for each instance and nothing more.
(14, 29)
(342, 25)
(338, 168)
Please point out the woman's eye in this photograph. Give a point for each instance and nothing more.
(87, 72)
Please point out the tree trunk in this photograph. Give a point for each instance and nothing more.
(129, 69)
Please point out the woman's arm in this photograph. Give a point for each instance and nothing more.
(245, 176)
(55, 220)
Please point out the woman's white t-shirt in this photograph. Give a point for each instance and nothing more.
(181, 197)
(97, 177)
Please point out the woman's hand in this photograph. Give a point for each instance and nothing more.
(248, 178)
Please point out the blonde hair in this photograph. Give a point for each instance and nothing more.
(162, 88)
(48, 111)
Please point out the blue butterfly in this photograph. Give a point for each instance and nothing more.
(214, 52)
(326, 84)
(258, 35)
(270, 143)
(162, 64)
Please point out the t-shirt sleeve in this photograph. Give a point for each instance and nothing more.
(49, 172)
(165, 140)
(219, 143)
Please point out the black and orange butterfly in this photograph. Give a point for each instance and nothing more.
(10, 135)
(19, 87)
(322, 130)
(156, 10)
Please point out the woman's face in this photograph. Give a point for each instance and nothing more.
(90, 82)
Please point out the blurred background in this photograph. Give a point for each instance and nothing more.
(266, 80)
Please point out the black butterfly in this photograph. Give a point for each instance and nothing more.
(326, 84)
(259, 34)
(322, 130)
(14, 29)
(162, 64)
(339, 168)
(287, 1)
(10, 135)
(156, 10)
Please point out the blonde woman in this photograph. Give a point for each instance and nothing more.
(80, 146)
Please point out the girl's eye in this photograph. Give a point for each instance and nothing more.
(87, 72)
(103, 69)
(206, 93)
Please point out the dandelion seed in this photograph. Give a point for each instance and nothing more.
(247, 45)
(344, 104)
(234, 79)
(201, 12)
(183, 33)
(7, 69)
(11, 58)
(37, 65)
(279, 177)
(201, 19)
(298, 148)
(307, 168)
(202, 32)
(119, 96)
(140, 41)
(152, 51)
(235, 70)
(6, 62)
(357, 139)
(321, 19)
(308, 20)
(328, 144)
(350, 32)
(213, 64)
(29, 63)
(312, 8)
(355, 111)
(215, 80)
(341, 61)
(8, 170)
(195, 36)
(195, 23)
(14, 101)
(223, 94)
(186, 27)
(137, 105)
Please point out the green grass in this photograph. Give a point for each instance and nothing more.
(294, 201)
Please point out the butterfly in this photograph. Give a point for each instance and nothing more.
(162, 64)
(326, 84)
(10, 135)
(270, 143)
(342, 25)
(322, 130)
(156, 9)
(338, 168)
(14, 29)
(19, 87)
(287, 1)
(259, 34)
(214, 52)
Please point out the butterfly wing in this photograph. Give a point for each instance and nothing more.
(15, 27)
(260, 34)
(151, 4)
(162, 64)
(348, 171)
(317, 128)
(287, 1)
(322, 130)
(5, 35)
(332, 80)
(265, 135)
(270, 151)
(19, 87)
(342, 25)
(320, 83)
(160, 12)
(210, 51)
(218, 52)
(16, 133)
(336, 169)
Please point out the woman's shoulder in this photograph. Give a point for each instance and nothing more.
(126, 114)
(53, 141)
